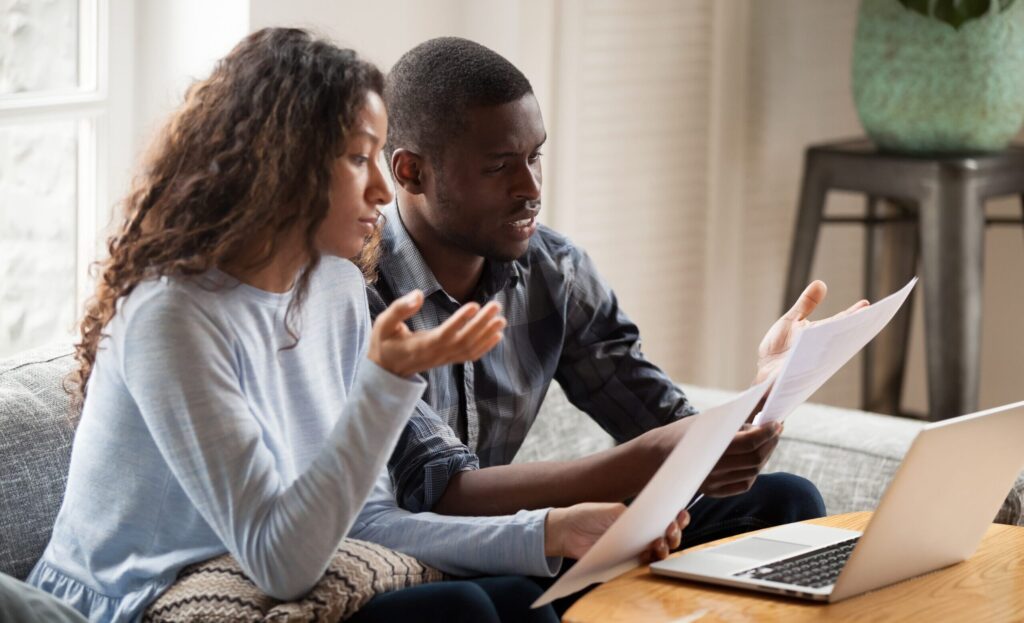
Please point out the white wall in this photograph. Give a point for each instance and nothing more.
(176, 43)
(705, 124)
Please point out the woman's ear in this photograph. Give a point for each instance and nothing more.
(407, 168)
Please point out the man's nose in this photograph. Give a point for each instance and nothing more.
(527, 183)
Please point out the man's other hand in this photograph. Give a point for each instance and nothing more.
(743, 460)
(660, 548)
(781, 336)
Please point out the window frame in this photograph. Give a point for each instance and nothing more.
(92, 104)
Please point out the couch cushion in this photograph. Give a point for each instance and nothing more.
(561, 432)
(35, 447)
(218, 589)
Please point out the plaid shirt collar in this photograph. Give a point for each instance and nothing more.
(404, 268)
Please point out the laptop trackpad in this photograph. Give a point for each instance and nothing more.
(755, 548)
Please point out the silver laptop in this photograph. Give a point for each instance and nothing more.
(934, 513)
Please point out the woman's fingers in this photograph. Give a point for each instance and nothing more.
(475, 336)
(391, 319)
(449, 329)
(474, 329)
(487, 338)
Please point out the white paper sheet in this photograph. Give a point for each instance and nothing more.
(821, 350)
(667, 493)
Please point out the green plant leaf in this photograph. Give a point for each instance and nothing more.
(921, 6)
(955, 12)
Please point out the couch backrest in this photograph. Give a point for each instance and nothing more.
(35, 448)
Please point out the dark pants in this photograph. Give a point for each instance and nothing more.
(775, 499)
(504, 599)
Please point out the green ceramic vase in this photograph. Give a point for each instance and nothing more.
(923, 85)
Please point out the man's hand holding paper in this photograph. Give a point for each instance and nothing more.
(821, 348)
(752, 446)
(799, 357)
(776, 344)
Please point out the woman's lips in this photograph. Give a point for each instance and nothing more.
(368, 225)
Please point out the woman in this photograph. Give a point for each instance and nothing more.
(234, 396)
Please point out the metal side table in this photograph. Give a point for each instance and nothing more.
(930, 208)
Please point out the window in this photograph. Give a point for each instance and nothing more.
(54, 111)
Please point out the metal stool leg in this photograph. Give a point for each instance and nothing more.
(952, 225)
(890, 259)
(808, 222)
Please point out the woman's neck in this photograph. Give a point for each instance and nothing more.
(274, 275)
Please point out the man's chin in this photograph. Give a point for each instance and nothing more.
(508, 252)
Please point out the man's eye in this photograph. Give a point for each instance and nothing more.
(534, 157)
(495, 169)
(359, 160)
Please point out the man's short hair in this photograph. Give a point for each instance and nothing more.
(431, 87)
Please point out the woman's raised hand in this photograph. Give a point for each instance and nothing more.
(466, 336)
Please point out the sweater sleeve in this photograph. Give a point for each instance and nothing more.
(459, 545)
(179, 367)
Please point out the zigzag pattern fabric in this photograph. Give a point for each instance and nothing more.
(218, 590)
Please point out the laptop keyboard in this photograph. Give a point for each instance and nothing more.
(814, 569)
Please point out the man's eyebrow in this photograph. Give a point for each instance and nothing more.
(507, 154)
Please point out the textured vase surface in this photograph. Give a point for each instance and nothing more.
(921, 85)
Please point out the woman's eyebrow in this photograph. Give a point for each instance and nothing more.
(370, 135)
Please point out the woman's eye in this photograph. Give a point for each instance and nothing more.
(360, 160)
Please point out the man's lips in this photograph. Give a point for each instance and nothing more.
(526, 222)
(524, 219)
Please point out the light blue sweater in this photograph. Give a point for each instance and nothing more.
(201, 436)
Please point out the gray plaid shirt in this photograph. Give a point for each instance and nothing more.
(564, 323)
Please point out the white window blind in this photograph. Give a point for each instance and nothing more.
(630, 159)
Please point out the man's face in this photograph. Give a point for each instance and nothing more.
(487, 191)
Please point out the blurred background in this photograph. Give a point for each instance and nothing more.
(676, 137)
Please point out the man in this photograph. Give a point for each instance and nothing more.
(465, 136)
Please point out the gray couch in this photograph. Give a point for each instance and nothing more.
(850, 455)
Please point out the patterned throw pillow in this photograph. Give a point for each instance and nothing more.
(218, 590)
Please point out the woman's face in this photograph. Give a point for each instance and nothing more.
(358, 184)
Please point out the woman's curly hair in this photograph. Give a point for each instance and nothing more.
(248, 156)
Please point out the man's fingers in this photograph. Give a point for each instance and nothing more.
(809, 299)
(659, 549)
(852, 309)
(861, 304)
(673, 535)
(735, 488)
(399, 311)
(756, 458)
(731, 477)
(751, 438)
(683, 519)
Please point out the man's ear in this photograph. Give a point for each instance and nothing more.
(408, 168)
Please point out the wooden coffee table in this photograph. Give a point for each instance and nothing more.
(987, 587)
